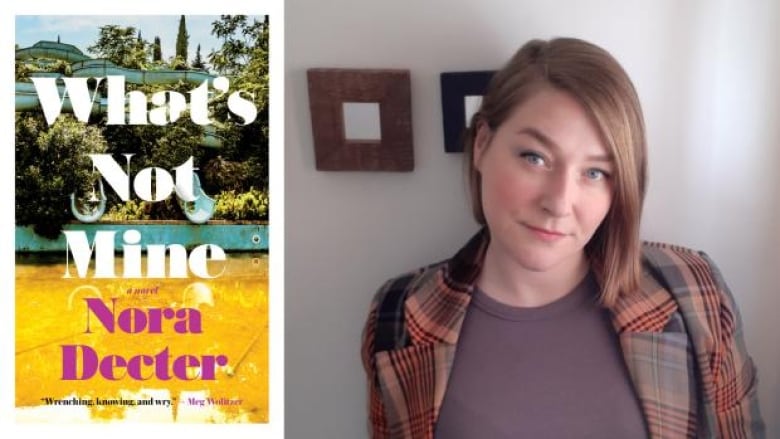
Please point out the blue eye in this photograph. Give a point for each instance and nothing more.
(532, 158)
(595, 174)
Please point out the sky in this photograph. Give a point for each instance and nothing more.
(82, 30)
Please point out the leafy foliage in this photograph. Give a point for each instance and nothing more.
(232, 175)
(251, 205)
(230, 205)
(130, 210)
(23, 71)
(52, 162)
(243, 57)
(121, 46)
(244, 54)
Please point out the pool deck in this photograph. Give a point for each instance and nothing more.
(230, 236)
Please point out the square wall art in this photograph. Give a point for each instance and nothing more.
(461, 97)
(361, 119)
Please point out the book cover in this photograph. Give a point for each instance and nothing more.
(141, 163)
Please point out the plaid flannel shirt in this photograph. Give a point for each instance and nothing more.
(680, 335)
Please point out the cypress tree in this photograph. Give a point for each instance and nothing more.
(182, 40)
(198, 62)
(157, 50)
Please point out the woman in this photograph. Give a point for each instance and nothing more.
(555, 320)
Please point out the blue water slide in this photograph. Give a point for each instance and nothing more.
(200, 210)
(95, 68)
(83, 66)
(51, 50)
(27, 99)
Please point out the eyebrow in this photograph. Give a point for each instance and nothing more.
(549, 143)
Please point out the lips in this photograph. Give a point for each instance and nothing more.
(545, 234)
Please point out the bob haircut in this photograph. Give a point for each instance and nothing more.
(594, 78)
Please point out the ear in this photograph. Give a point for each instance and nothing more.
(481, 143)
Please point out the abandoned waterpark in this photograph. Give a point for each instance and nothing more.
(142, 225)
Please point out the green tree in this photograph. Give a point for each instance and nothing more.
(157, 50)
(243, 57)
(52, 163)
(121, 46)
(198, 62)
(182, 40)
(139, 55)
(243, 43)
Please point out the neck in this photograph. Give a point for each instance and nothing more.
(507, 281)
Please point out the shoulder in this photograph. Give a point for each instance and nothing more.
(386, 325)
(681, 267)
(680, 264)
(399, 287)
(665, 255)
(714, 327)
(388, 301)
(697, 285)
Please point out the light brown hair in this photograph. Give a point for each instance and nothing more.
(593, 77)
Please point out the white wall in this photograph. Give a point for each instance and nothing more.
(706, 73)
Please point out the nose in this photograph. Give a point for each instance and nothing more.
(559, 194)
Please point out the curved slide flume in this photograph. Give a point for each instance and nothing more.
(93, 68)
(51, 50)
(83, 66)
(27, 100)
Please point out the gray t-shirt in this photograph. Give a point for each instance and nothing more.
(554, 371)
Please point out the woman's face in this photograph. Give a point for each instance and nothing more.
(546, 181)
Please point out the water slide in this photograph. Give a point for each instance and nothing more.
(83, 66)
(51, 50)
(86, 67)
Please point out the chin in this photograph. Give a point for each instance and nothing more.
(538, 261)
(537, 256)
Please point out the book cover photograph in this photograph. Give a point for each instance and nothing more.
(141, 211)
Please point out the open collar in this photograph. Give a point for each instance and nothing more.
(437, 304)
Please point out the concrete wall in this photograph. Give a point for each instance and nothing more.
(706, 74)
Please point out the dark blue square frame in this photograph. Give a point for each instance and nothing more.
(455, 86)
